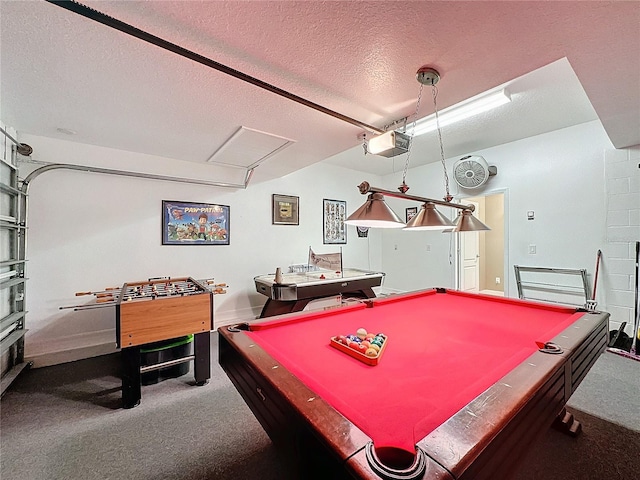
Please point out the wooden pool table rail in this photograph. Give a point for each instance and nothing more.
(488, 434)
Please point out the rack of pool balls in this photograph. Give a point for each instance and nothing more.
(363, 346)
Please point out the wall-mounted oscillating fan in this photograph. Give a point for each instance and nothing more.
(472, 171)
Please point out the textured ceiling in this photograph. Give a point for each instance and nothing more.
(564, 62)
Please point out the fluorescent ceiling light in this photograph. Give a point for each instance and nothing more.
(381, 143)
(389, 144)
(460, 111)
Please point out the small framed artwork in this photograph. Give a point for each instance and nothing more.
(284, 209)
(333, 228)
(187, 223)
(411, 212)
(362, 231)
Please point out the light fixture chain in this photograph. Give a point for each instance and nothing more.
(434, 91)
(413, 128)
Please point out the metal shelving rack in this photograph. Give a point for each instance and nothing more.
(12, 270)
(555, 285)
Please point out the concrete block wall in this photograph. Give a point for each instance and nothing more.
(618, 267)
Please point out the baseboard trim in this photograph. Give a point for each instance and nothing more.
(221, 319)
(55, 351)
(69, 349)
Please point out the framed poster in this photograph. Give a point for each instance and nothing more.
(411, 212)
(284, 210)
(333, 228)
(186, 223)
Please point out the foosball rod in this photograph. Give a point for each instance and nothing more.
(91, 307)
(158, 283)
(150, 289)
(131, 298)
(98, 292)
(162, 291)
(86, 306)
(164, 284)
(209, 281)
(110, 298)
(210, 284)
(104, 297)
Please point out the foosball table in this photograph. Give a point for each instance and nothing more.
(157, 310)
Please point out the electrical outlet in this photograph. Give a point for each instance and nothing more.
(532, 249)
(428, 247)
(497, 280)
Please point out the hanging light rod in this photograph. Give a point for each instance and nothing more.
(365, 188)
(116, 24)
(375, 213)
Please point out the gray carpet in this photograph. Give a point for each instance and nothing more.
(65, 422)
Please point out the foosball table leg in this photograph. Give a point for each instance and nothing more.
(202, 360)
(131, 377)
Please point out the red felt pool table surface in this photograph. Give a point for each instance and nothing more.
(462, 389)
(442, 351)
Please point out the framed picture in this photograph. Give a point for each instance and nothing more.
(362, 231)
(333, 228)
(186, 223)
(411, 212)
(284, 210)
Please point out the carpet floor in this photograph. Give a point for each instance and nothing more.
(65, 423)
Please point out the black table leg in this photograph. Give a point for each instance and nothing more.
(131, 378)
(202, 360)
(280, 307)
(366, 293)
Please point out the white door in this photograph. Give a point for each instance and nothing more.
(470, 258)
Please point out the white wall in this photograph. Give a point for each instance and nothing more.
(558, 175)
(622, 169)
(89, 231)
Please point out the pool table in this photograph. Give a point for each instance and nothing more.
(465, 385)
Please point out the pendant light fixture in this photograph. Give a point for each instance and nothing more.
(429, 219)
(466, 222)
(376, 213)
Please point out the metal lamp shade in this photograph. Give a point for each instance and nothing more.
(429, 219)
(466, 222)
(375, 213)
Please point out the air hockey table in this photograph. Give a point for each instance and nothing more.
(296, 290)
